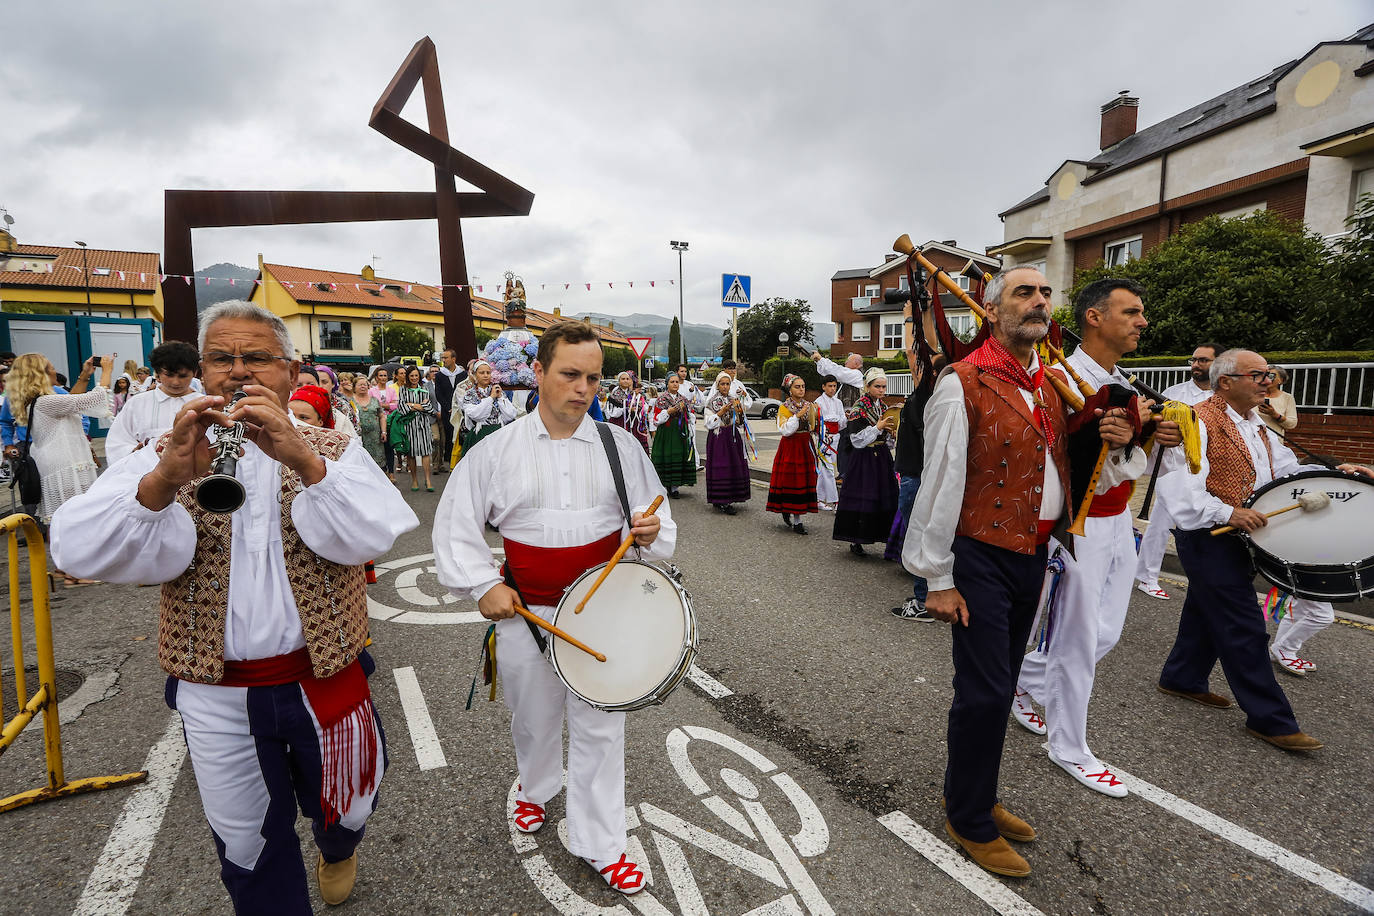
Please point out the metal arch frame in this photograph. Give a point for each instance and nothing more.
(499, 196)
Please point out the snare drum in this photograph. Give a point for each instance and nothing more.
(642, 620)
(1326, 555)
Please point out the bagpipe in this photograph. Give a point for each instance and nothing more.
(1083, 402)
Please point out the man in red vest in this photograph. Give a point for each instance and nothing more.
(994, 485)
(1221, 619)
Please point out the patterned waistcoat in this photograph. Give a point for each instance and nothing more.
(1230, 467)
(1006, 461)
(330, 598)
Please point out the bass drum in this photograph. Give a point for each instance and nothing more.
(1326, 555)
(641, 618)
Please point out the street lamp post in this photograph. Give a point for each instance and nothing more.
(382, 318)
(680, 247)
(86, 272)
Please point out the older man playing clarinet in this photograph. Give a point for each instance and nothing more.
(263, 612)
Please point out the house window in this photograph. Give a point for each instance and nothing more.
(892, 332)
(1123, 250)
(873, 291)
(1247, 210)
(963, 326)
(1364, 184)
(1038, 265)
(963, 280)
(336, 335)
(902, 283)
(862, 330)
(839, 330)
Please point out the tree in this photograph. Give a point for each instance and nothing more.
(675, 354)
(1247, 282)
(401, 340)
(1345, 321)
(759, 326)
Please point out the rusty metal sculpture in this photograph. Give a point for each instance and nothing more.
(499, 196)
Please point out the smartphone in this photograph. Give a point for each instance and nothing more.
(95, 362)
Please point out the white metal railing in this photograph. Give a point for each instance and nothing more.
(1327, 387)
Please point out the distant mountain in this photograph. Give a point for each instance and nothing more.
(218, 289)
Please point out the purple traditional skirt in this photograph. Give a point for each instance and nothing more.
(868, 499)
(727, 470)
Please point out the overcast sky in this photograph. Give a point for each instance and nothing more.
(783, 140)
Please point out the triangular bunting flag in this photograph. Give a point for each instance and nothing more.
(187, 279)
(632, 284)
(566, 285)
(589, 287)
(207, 281)
(231, 282)
(142, 277)
(409, 287)
(161, 278)
(651, 282)
(121, 274)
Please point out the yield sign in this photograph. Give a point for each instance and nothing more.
(639, 345)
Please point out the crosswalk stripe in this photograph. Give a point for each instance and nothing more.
(422, 734)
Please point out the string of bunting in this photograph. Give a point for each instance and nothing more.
(361, 285)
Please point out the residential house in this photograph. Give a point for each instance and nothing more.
(1298, 140)
(54, 279)
(867, 325)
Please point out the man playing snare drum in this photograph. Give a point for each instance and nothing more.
(546, 481)
(1221, 619)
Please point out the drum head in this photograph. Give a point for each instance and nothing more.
(639, 619)
(1340, 534)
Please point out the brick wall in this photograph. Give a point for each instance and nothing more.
(1348, 437)
(1089, 250)
(841, 291)
(1287, 198)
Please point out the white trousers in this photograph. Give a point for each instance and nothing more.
(1153, 544)
(1304, 620)
(596, 743)
(1093, 595)
(826, 491)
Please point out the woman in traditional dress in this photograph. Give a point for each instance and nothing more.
(414, 410)
(674, 454)
(628, 408)
(868, 499)
(792, 483)
(485, 407)
(371, 425)
(727, 468)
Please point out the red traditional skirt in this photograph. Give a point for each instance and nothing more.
(792, 484)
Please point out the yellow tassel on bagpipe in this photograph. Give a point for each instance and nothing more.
(1186, 418)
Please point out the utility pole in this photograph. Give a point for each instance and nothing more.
(86, 272)
(680, 247)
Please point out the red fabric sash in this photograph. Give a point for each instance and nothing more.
(342, 705)
(542, 573)
(1043, 529)
(1113, 502)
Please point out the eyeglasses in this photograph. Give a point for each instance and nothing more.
(257, 361)
(1255, 375)
(1199, 359)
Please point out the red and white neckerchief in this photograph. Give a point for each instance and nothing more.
(994, 359)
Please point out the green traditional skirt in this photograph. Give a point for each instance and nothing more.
(674, 457)
(471, 437)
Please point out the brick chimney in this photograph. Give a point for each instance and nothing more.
(1118, 119)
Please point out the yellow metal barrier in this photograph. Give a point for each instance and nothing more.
(44, 699)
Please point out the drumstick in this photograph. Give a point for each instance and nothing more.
(545, 625)
(1307, 502)
(624, 546)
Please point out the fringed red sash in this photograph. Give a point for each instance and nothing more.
(342, 705)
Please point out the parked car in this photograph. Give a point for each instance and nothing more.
(763, 408)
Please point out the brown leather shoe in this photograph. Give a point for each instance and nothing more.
(1298, 741)
(997, 857)
(1206, 699)
(336, 878)
(1011, 826)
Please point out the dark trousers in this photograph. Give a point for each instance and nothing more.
(447, 426)
(1002, 590)
(1222, 620)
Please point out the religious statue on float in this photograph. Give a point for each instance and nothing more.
(510, 353)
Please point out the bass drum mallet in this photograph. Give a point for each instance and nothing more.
(1307, 502)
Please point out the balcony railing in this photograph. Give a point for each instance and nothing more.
(858, 303)
(1327, 387)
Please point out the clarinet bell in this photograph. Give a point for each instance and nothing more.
(220, 493)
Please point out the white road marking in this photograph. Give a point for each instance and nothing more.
(1304, 868)
(422, 734)
(712, 687)
(680, 876)
(973, 879)
(791, 865)
(114, 880)
(706, 841)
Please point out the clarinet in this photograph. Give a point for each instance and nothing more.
(220, 491)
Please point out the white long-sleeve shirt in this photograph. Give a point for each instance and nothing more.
(851, 377)
(1191, 506)
(1186, 391)
(543, 492)
(351, 516)
(939, 502)
(143, 419)
(487, 411)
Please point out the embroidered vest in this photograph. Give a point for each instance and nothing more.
(1006, 461)
(1230, 466)
(330, 598)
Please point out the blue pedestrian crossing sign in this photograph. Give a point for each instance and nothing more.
(734, 291)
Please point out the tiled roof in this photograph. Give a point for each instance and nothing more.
(1243, 103)
(68, 273)
(352, 290)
